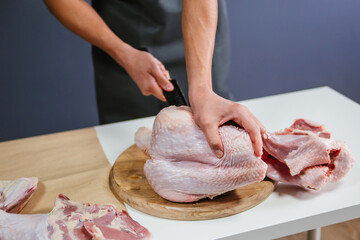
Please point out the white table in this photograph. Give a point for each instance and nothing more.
(288, 210)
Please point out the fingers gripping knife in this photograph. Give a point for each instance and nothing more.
(176, 96)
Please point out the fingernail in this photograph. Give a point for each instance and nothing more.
(259, 155)
(266, 135)
(168, 87)
(219, 153)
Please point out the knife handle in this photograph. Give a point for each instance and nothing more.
(176, 96)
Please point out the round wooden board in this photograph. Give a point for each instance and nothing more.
(128, 182)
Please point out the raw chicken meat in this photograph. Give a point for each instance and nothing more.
(183, 168)
(70, 220)
(15, 194)
(306, 155)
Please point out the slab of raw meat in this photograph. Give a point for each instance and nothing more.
(23, 226)
(303, 126)
(71, 220)
(183, 168)
(306, 155)
(16, 193)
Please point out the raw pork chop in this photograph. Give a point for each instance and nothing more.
(183, 168)
(306, 155)
(15, 194)
(70, 220)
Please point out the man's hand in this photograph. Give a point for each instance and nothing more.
(199, 20)
(211, 111)
(148, 73)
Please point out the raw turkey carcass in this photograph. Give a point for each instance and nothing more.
(16, 193)
(183, 168)
(305, 154)
(72, 221)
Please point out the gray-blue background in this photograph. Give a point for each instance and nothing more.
(46, 75)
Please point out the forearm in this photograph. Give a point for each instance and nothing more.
(199, 21)
(79, 17)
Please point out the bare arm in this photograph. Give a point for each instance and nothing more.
(199, 21)
(79, 17)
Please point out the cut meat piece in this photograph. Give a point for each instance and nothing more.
(183, 168)
(341, 164)
(306, 155)
(304, 126)
(300, 151)
(16, 193)
(311, 178)
(70, 220)
(115, 230)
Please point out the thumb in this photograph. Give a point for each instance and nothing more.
(212, 135)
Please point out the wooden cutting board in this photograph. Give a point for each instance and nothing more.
(128, 182)
(72, 163)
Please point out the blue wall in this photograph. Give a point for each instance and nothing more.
(46, 75)
(280, 46)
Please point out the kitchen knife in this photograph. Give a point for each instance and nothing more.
(176, 96)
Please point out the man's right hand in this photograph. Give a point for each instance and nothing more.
(148, 73)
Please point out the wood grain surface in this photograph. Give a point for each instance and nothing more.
(72, 163)
(128, 181)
